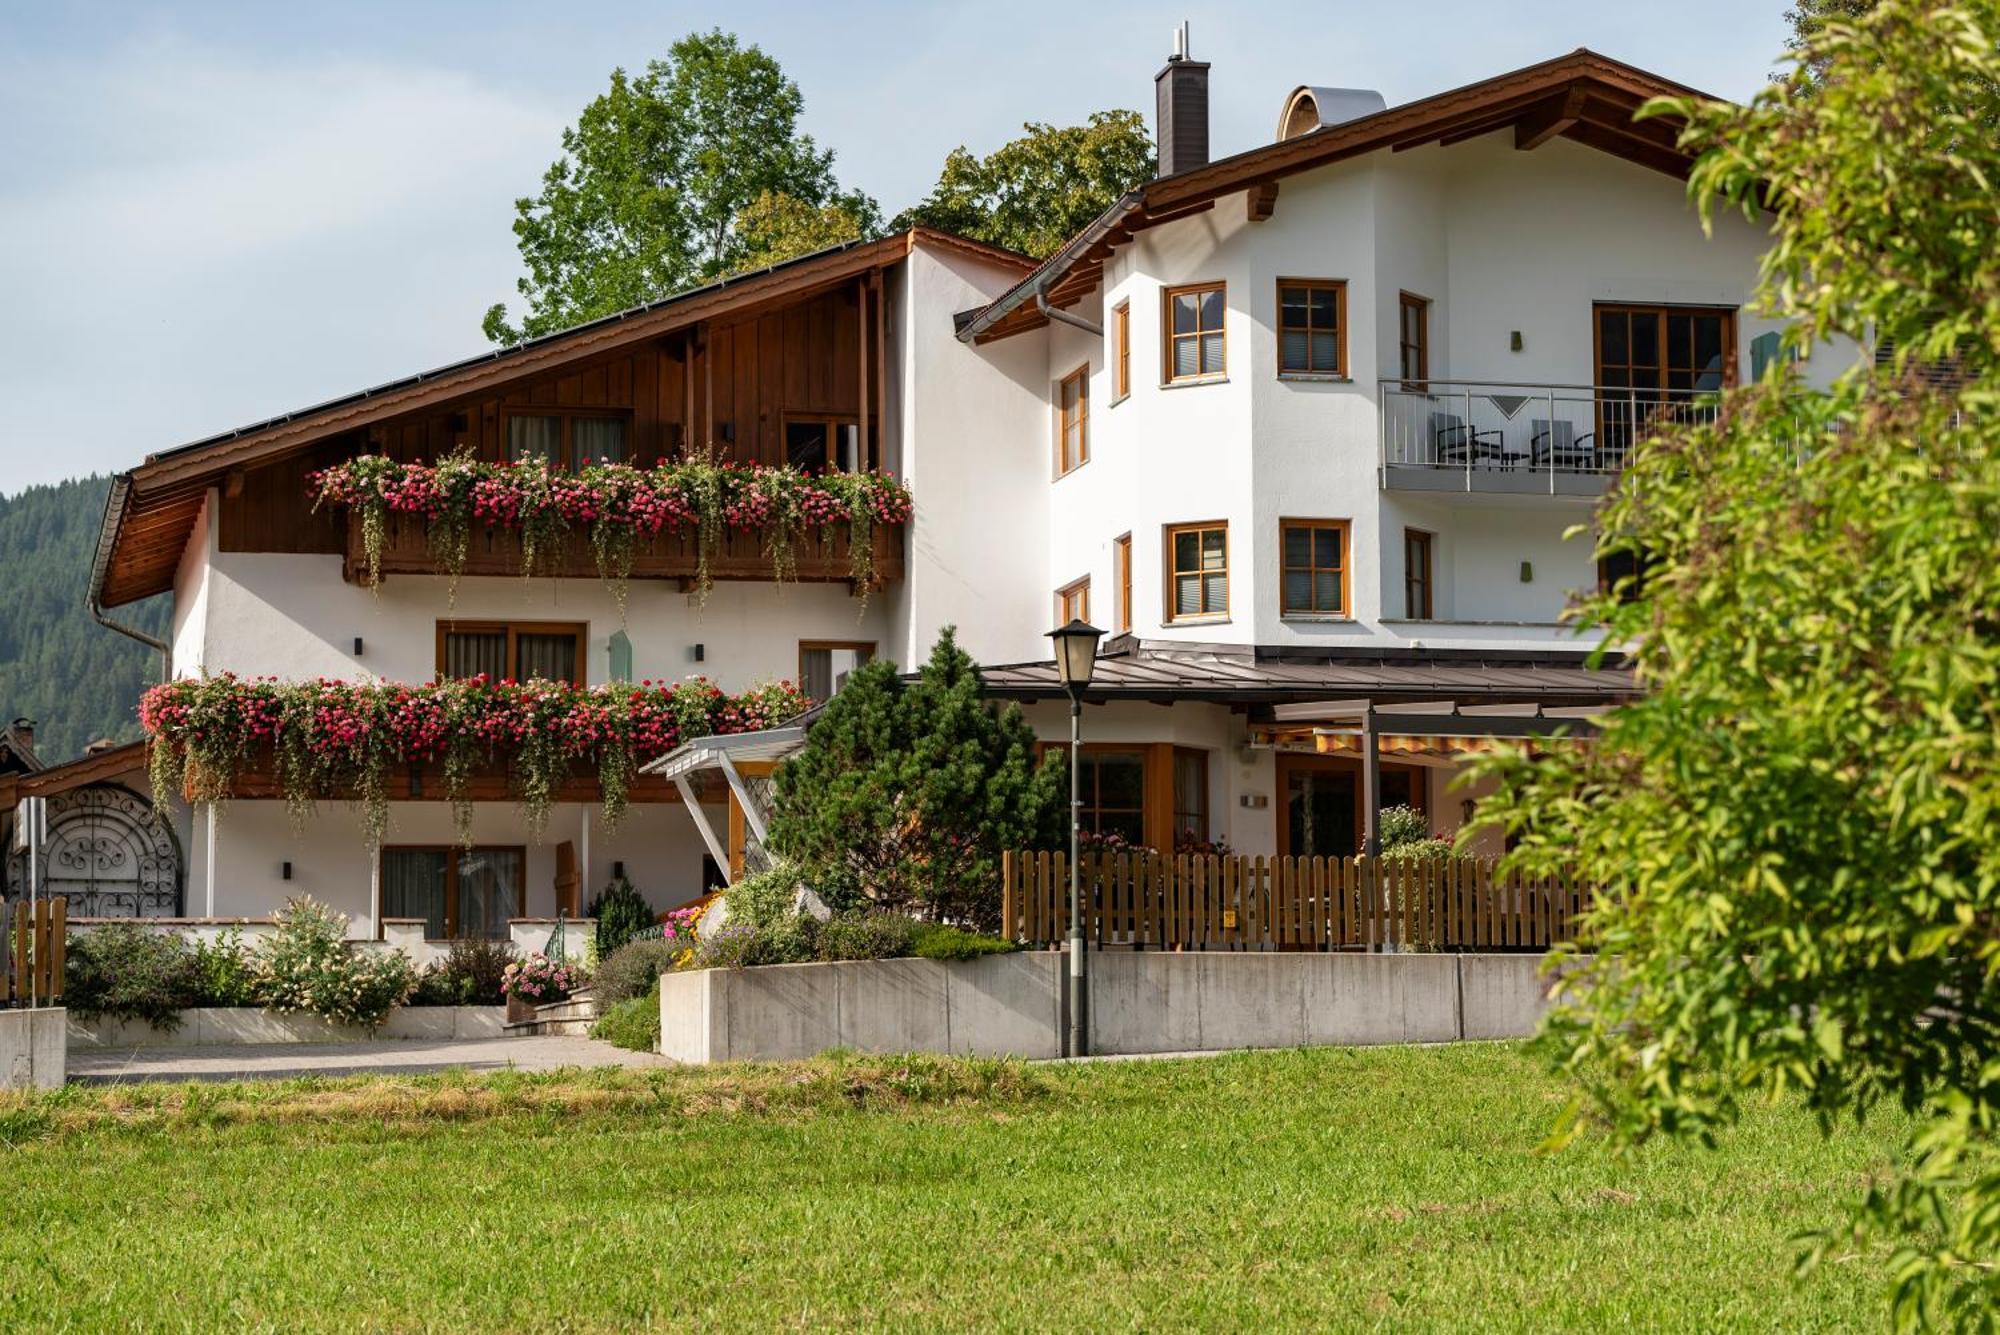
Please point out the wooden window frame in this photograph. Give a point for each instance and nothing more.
(1424, 609)
(1168, 337)
(1080, 377)
(1121, 352)
(1156, 810)
(1121, 571)
(1207, 798)
(855, 646)
(1078, 591)
(514, 630)
(1661, 310)
(1338, 286)
(1169, 607)
(864, 449)
(1408, 301)
(566, 450)
(1346, 570)
(452, 854)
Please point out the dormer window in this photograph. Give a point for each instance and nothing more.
(568, 439)
(1195, 344)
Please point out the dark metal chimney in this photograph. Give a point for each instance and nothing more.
(1180, 124)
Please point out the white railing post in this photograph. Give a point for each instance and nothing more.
(1467, 438)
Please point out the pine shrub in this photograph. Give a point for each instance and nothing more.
(621, 913)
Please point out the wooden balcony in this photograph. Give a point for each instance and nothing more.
(820, 558)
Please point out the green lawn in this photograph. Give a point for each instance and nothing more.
(1329, 1188)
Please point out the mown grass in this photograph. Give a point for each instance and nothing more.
(1329, 1189)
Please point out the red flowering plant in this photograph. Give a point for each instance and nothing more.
(618, 505)
(337, 738)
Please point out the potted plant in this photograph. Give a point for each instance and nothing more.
(536, 981)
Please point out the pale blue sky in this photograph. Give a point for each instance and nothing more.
(214, 213)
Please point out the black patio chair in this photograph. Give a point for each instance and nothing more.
(1556, 444)
(1457, 443)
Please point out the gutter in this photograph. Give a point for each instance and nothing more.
(1037, 285)
(114, 507)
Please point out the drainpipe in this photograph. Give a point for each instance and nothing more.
(114, 504)
(1057, 313)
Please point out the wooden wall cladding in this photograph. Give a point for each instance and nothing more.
(732, 384)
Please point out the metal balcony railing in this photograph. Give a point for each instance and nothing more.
(1500, 436)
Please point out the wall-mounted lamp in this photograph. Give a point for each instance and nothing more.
(1527, 572)
(284, 871)
(617, 871)
(700, 652)
(357, 646)
(726, 430)
(416, 782)
(1514, 340)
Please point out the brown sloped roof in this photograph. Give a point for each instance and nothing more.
(1241, 675)
(1583, 96)
(154, 505)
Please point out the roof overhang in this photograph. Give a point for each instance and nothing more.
(1583, 96)
(154, 506)
(722, 752)
(1468, 693)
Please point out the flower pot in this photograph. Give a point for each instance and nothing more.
(519, 1009)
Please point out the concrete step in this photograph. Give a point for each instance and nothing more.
(572, 1016)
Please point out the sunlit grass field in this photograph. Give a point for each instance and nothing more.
(1345, 1189)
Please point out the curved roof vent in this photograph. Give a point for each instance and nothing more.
(1309, 108)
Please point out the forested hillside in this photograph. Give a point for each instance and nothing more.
(76, 679)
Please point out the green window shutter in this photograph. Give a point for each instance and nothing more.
(620, 651)
(1763, 353)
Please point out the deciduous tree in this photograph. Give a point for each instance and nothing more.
(1036, 192)
(653, 176)
(1795, 830)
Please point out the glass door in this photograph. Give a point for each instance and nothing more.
(1656, 361)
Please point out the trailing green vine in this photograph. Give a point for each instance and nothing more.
(337, 739)
(620, 507)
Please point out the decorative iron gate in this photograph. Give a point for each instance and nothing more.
(106, 855)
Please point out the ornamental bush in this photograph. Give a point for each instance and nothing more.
(1405, 833)
(307, 964)
(468, 975)
(617, 505)
(219, 972)
(633, 1023)
(906, 794)
(621, 913)
(127, 971)
(630, 970)
(326, 739)
(764, 896)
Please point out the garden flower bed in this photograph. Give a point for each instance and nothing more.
(323, 739)
(618, 506)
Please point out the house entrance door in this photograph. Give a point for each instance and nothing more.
(1321, 806)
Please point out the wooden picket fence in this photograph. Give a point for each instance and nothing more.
(31, 965)
(1161, 902)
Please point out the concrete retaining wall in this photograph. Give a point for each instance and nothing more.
(1140, 1002)
(214, 1025)
(33, 1052)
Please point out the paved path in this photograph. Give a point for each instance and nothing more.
(273, 1061)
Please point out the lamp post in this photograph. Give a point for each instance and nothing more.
(1076, 660)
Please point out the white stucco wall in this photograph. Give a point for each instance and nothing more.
(293, 617)
(972, 454)
(331, 860)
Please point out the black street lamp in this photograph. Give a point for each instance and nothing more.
(1076, 660)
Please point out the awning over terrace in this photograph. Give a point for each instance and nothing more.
(745, 761)
(1410, 705)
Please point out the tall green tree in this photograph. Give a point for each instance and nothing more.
(774, 228)
(907, 793)
(1034, 193)
(653, 176)
(77, 680)
(1795, 831)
